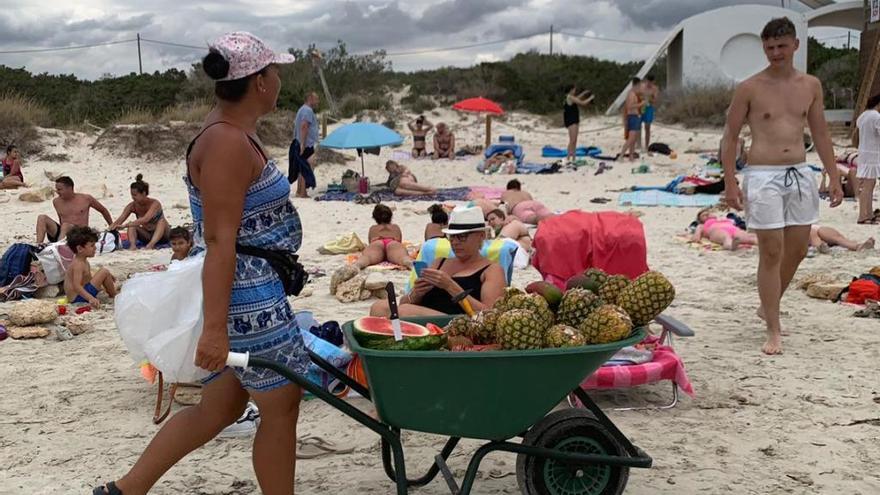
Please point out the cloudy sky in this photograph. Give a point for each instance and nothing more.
(397, 26)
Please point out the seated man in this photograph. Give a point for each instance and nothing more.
(444, 142)
(521, 204)
(420, 129)
(509, 227)
(469, 275)
(80, 285)
(73, 211)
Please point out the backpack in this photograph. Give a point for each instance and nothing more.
(865, 287)
(108, 242)
(15, 261)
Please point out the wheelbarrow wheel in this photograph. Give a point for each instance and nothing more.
(570, 430)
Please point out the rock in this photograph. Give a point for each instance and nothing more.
(365, 294)
(37, 196)
(32, 312)
(77, 324)
(27, 332)
(306, 292)
(825, 291)
(376, 281)
(350, 290)
(62, 333)
(380, 294)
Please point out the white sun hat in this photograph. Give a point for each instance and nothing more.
(464, 219)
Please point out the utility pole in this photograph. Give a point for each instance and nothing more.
(140, 62)
(551, 39)
(848, 36)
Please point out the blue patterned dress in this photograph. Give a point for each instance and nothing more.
(260, 319)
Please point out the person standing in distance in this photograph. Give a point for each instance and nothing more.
(305, 137)
(780, 194)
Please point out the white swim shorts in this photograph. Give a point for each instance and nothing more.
(867, 170)
(779, 196)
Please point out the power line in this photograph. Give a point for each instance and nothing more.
(614, 40)
(65, 48)
(464, 47)
(179, 45)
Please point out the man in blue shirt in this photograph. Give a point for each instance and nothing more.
(305, 137)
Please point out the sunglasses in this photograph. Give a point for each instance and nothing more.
(459, 237)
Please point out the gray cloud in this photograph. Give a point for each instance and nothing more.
(452, 16)
(658, 14)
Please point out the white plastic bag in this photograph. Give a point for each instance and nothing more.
(55, 258)
(159, 316)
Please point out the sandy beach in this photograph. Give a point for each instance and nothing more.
(77, 412)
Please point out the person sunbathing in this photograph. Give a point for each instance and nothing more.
(402, 182)
(509, 227)
(386, 241)
(420, 129)
(494, 162)
(847, 166)
(468, 275)
(822, 239)
(521, 204)
(721, 231)
(444, 142)
(439, 221)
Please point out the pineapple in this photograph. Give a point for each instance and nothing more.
(563, 336)
(611, 289)
(501, 303)
(460, 326)
(595, 279)
(520, 329)
(535, 304)
(646, 297)
(576, 305)
(485, 328)
(608, 323)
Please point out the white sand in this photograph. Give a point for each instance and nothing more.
(76, 412)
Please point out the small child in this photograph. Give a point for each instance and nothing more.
(181, 243)
(80, 286)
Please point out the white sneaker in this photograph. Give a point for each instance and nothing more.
(246, 425)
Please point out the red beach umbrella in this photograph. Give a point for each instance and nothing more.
(481, 105)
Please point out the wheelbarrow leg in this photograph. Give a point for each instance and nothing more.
(471, 474)
(398, 472)
(432, 472)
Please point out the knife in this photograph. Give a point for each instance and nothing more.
(392, 306)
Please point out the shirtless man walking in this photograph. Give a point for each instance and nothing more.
(632, 120)
(779, 193)
(73, 211)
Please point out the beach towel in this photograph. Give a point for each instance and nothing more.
(501, 251)
(487, 192)
(343, 244)
(665, 198)
(553, 152)
(568, 244)
(707, 245)
(539, 168)
(672, 186)
(385, 195)
(665, 365)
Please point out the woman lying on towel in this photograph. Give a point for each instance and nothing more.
(402, 182)
(822, 239)
(721, 231)
(385, 244)
(469, 275)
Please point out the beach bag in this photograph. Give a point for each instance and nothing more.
(16, 261)
(864, 288)
(350, 180)
(55, 258)
(108, 242)
(160, 315)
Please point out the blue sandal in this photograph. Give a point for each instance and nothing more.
(108, 489)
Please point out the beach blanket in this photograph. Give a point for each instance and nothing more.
(665, 198)
(553, 152)
(384, 195)
(568, 244)
(539, 168)
(666, 365)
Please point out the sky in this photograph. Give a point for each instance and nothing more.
(397, 26)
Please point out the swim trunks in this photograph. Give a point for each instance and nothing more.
(648, 114)
(779, 196)
(531, 211)
(633, 123)
(91, 289)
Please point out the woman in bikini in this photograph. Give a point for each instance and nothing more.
(420, 129)
(469, 275)
(12, 176)
(150, 225)
(439, 221)
(721, 231)
(385, 242)
(402, 182)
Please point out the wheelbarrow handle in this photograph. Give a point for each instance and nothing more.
(238, 359)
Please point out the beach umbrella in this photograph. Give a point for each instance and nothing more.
(361, 136)
(481, 105)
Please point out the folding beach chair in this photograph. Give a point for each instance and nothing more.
(664, 365)
(501, 251)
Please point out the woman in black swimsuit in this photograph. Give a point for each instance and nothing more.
(571, 115)
(468, 271)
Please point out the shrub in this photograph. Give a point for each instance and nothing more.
(417, 103)
(19, 118)
(696, 107)
(191, 111)
(135, 115)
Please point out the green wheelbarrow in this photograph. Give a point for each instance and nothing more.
(494, 396)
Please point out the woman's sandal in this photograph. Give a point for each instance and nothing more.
(108, 489)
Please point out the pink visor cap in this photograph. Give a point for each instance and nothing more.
(247, 54)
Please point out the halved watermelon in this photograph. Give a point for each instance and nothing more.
(375, 332)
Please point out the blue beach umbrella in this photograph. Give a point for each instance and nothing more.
(361, 136)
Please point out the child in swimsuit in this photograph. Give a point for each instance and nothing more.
(721, 231)
(80, 285)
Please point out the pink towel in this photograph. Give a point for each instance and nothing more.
(487, 192)
(666, 365)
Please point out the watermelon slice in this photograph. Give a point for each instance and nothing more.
(375, 332)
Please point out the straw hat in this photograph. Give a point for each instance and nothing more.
(464, 219)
